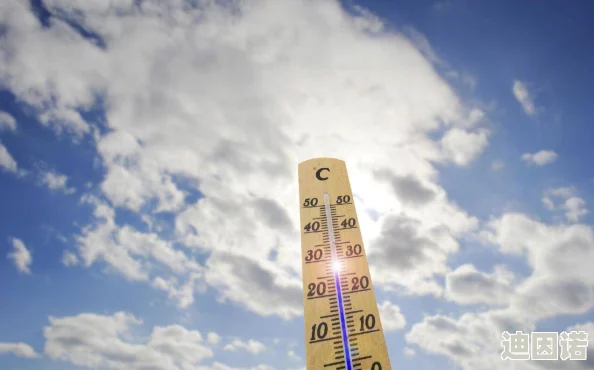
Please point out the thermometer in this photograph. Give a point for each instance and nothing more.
(343, 330)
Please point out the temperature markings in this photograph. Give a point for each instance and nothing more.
(349, 257)
(324, 340)
(330, 259)
(337, 268)
(335, 338)
(322, 296)
(318, 261)
(357, 291)
(331, 205)
(348, 313)
(365, 332)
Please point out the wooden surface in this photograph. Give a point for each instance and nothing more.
(367, 343)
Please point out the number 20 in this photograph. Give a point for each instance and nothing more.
(362, 283)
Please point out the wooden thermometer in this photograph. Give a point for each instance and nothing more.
(342, 324)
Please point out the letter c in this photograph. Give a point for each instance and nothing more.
(319, 174)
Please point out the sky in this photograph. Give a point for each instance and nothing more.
(148, 176)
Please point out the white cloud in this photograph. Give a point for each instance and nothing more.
(69, 258)
(6, 161)
(574, 206)
(411, 253)
(56, 181)
(107, 342)
(560, 252)
(497, 165)
(462, 146)
(524, 97)
(262, 367)
(7, 122)
(548, 203)
(475, 116)
(65, 118)
(110, 342)
(216, 366)
(472, 341)
(540, 158)
(20, 256)
(467, 285)
(260, 287)
(213, 338)
(409, 352)
(588, 327)
(560, 283)
(564, 192)
(220, 366)
(293, 356)
(18, 349)
(392, 318)
(139, 256)
(97, 242)
(183, 294)
(201, 101)
(252, 346)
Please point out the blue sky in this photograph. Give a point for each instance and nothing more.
(148, 159)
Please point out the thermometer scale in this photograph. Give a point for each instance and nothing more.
(343, 330)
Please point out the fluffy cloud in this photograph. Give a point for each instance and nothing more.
(473, 341)
(18, 349)
(588, 328)
(7, 163)
(560, 283)
(69, 258)
(262, 367)
(105, 342)
(195, 97)
(20, 256)
(392, 318)
(574, 206)
(7, 122)
(56, 181)
(220, 366)
(183, 294)
(408, 189)
(252, 346)
(524, 98)
(462, 146)
(467, 285)
(213, 338)
(540, 158)
(410, 253)
(139, 256)
(558, 256)
(260, 287)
